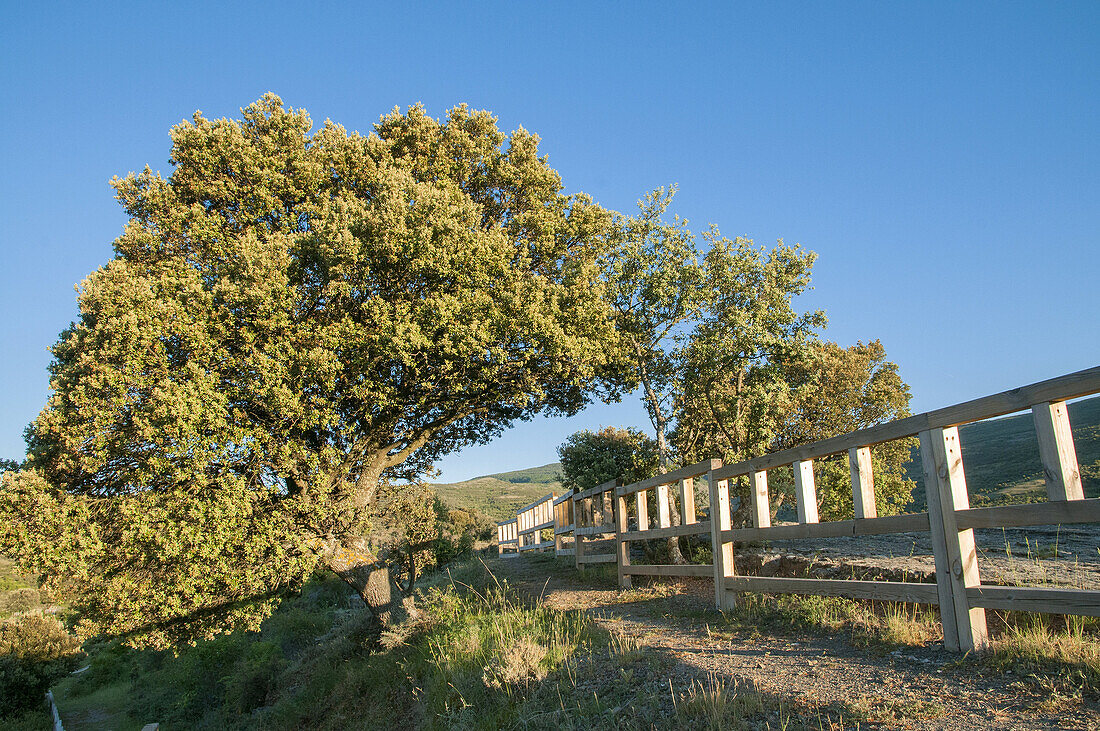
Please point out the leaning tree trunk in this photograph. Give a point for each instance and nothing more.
(355, 563)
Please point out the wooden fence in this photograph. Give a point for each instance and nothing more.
(600, 515)
(594, 521)
(564, 526)
(507, 538)
(532, 520)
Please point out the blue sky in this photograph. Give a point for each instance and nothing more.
(941, 158)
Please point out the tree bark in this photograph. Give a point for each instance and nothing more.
(354, 562)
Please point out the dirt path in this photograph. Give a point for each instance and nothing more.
(914, 687)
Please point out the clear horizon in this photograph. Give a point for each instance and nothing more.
(941, 159)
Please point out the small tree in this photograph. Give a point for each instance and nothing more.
(292, 319)
(842, 390)
(590, 458)
(736, 391)
(655, 288)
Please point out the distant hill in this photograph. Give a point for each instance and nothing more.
(1001, 458)
(499, 495)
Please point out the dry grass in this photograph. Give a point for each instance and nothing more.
(718, 703)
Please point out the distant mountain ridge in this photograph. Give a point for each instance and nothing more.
(1001, 458)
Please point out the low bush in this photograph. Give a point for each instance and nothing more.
(35, 651)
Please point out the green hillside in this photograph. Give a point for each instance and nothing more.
(1001, 458)
(499, 495)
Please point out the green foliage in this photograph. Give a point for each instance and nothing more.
(35, 651)
(590, 458)
(839, 390)
(821, 391)
(655, 285)
(471, 663)
(217, 683)
(736, 390)
(291, 317)
(547, 474)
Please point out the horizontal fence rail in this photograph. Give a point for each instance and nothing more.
(600, 517)
(594, 530)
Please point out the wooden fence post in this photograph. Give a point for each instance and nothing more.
(663, 518)
(956, 557)
(1059, 455)
(687, 500)
(622, 548)
(721, 552)
(805, 491)
(863, 482)
(758, 492)
(580, 519)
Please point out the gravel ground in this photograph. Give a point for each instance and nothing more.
(912, 687)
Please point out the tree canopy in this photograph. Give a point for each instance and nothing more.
(592, 458)
(291, 318)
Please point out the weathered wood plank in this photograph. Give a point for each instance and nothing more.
(565, 496)
(944, 584)
(1062, 388)
(540, 526)
(1036, 599)
(805, 491)
(863, 482)
(1015, 516)
(562, 529)
(671, 532)
(758, 496)
(541, 500)
(907, 523)
(893, 591)
(722, 550)
(694, 470)
(598, 489)
(595, 530)
(664, 516)
(1057, 452)
(622, 548)
(687, 500)
(641, 500)
(962, 556)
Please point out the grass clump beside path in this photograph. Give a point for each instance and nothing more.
(477, 657)
(1059, 656)
(879, 625)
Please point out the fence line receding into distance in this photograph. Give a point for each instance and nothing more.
(599, 518)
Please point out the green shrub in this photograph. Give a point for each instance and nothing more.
(254, 677)
(35, 651)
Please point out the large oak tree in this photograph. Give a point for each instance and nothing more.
(293, 317)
